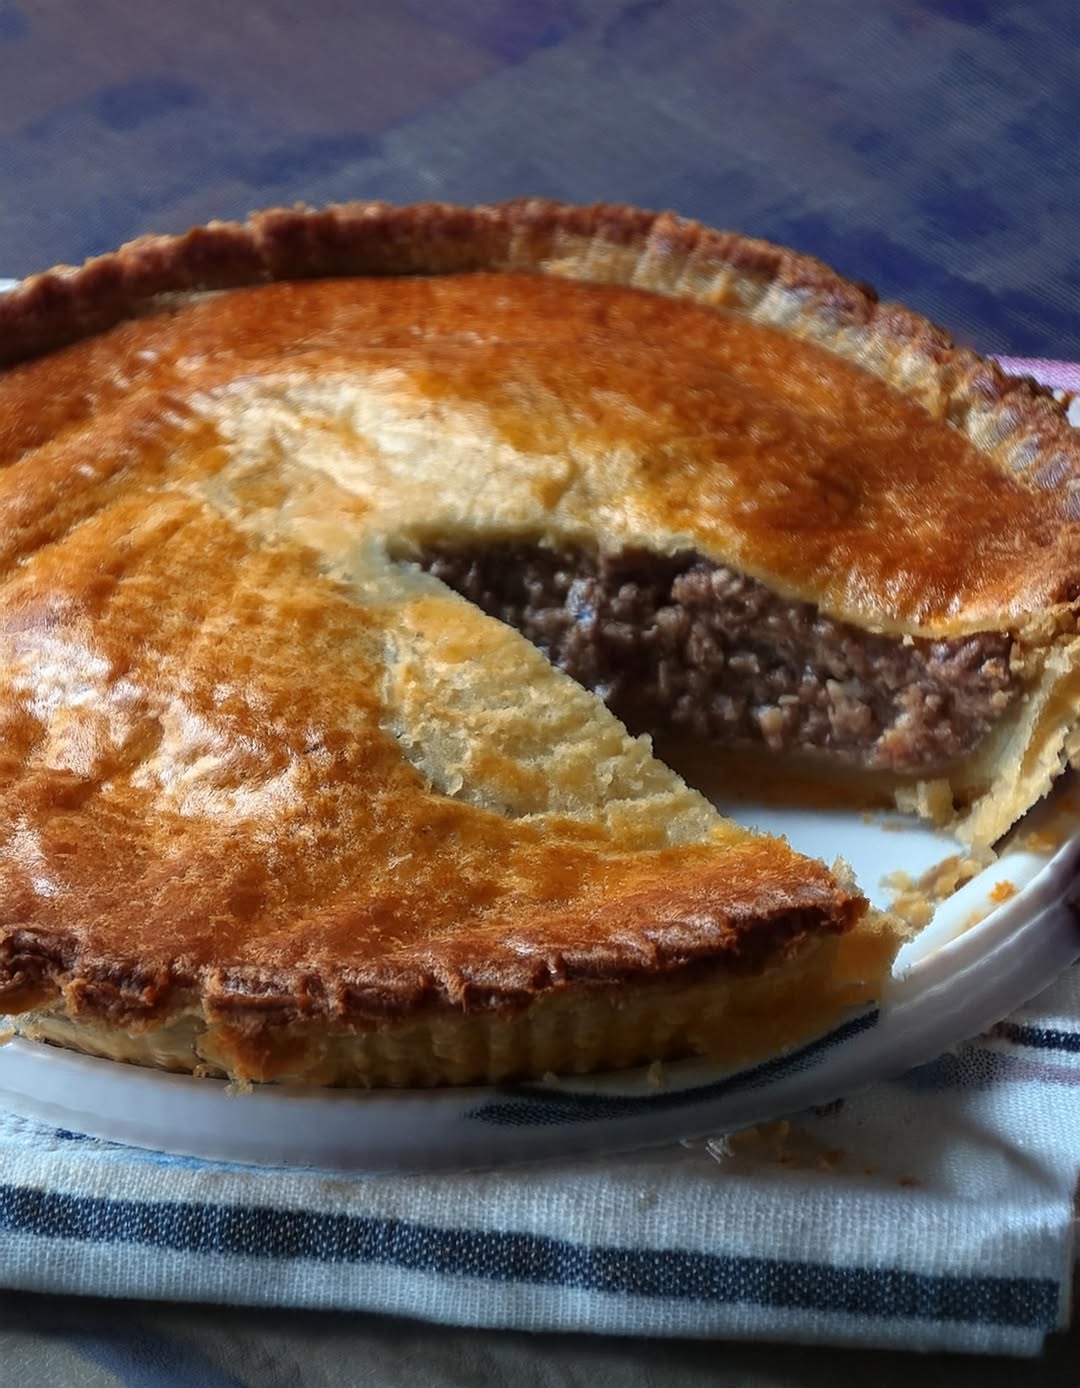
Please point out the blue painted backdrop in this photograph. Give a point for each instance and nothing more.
(931, 147)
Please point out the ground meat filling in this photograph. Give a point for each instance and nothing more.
(690, 646)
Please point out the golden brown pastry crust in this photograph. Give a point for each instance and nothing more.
(168, 928)
(1015, 424)
(484, 405)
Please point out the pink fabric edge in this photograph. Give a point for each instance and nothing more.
(1059, 375)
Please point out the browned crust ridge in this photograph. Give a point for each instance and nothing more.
(38, 969)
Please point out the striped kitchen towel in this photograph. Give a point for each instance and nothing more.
(935, 1212)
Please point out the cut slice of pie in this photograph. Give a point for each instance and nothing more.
(274, 808)
(278, 803)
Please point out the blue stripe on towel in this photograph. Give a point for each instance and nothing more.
(252, 1231)
(1039, 1038)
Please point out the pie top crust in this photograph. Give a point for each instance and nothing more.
(902, 525)
(247, 757)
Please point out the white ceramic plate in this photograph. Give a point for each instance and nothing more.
(954, 980)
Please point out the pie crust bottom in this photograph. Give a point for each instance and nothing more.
(727, 1017)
